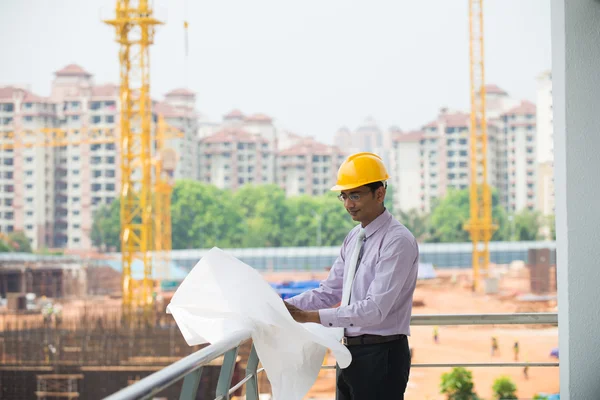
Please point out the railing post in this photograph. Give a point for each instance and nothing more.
(251, 368)
(226, 374)
(191, 382)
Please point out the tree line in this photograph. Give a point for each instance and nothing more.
(203, 216)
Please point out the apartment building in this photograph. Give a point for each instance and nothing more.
(233, 157)
(545, 143)
(438, 156)
(520, 130)
(26, 180)
(179, 111)
(51, 193)
(308, 167)
(368, 136)
(407, 171)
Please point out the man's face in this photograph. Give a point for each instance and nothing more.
(361, 203)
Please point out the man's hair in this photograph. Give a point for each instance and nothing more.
(376, 185)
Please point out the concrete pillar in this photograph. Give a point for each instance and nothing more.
(576, 95)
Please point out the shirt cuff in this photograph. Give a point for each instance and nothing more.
(328, 317)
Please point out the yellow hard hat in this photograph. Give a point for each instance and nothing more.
(360, 169)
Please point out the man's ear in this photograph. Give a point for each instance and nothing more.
(381, 194)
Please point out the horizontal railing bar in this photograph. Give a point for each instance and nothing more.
(485, 319)
(246, 379)
(167, 376)
(496, 364)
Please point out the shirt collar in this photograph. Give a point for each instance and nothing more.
(377, 223)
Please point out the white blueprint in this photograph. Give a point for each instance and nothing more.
(222, 295)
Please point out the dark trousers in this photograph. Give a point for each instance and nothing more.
(377, 372)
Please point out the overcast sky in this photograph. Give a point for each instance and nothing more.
(313, 65)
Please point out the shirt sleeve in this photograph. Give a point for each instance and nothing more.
(396, 262)
(329, 291)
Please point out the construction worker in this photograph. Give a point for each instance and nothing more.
(435, 334)
(494, 345)
(516, 350)
(373, 279)
(526, 370)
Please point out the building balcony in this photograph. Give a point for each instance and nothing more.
(191, 367)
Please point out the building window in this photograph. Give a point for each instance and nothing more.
(95, 147)
(29, 227)
(96, 160)
(75, 199)
(95, 105)
(96, 200)
(96, 187)
(110, 173)
(96, 173)
(76, 240)
(95, 119)
(110, 160)
(110, 119)
(109, 146)
(76, 226)
(110, 186)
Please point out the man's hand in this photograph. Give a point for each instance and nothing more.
(301, 315)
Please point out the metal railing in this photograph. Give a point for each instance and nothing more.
(190, 367)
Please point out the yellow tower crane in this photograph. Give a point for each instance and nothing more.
(134, 24)
(480, 224)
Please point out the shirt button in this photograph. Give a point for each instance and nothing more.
(351, 324)
(330, 324)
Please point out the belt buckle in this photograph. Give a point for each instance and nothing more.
(344, 341)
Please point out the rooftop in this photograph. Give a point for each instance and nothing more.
(72, 70)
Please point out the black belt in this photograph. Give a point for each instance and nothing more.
(369, 339)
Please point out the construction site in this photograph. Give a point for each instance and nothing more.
(64, 335)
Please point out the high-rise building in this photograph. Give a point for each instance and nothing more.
(520, 131)
(308, 167)
(545, 143)
(233, 157)
(179, 112)
(438, 157)
(51, 193)
(406, 171)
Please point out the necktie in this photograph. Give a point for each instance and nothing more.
(349, 276)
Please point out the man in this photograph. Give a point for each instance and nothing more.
(373, 279)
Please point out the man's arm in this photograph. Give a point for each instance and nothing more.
(395, 266)
(329, 291)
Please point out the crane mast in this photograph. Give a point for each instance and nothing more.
(134, 24)
(480, 224)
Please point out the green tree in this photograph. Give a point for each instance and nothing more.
(458, 384)
(551, 224)
(450, 214)
(203, 216)
(416, 221)
(4, 247)
(527, 225)
(106, 227)
(264, 212)
(504, 388)
(19, 242)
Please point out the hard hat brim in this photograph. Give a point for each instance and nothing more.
(354, 185)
